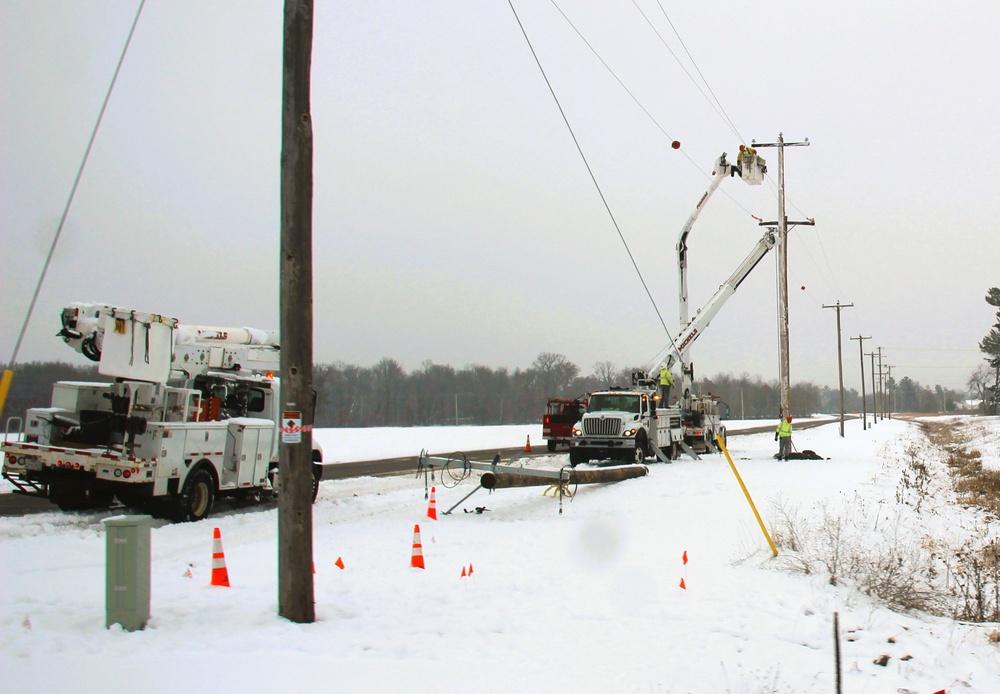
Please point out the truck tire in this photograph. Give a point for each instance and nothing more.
(639, 456)
(575, 457)
(317, 473)
(197, 496)
(551, 445)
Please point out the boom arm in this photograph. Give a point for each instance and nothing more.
(719, 173)
(694, 328)
(190, 349)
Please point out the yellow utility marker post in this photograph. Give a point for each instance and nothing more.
(746, 493)
(5, 380)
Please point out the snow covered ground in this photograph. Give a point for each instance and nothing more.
(584, 601)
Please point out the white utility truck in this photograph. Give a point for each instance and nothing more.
(192, 413)
(626, 424)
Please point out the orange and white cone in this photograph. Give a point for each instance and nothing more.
(527, 445)
(220, 577)
(432, 507)
(417, 553)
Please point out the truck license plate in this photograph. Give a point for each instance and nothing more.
(33, 463)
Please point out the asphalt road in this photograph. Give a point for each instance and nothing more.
(23, 505)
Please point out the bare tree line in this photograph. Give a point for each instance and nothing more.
(434, 394)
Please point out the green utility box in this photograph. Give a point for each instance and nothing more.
(127, 591)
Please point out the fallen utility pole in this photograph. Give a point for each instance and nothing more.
(864, 408)
(497, 476)
(840, 360)
(532, 478)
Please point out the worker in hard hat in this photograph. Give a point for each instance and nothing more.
(783, 435)
(666, 381)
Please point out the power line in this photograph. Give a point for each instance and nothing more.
(590, 171)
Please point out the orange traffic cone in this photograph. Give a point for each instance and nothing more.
(682, 584)
(339, 563)
(417, 553)
(527, 445)
(432, 508)
(463, 573)
(220, 577)
(470, 569)
(188, 573)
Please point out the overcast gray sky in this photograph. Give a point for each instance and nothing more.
(454, 220)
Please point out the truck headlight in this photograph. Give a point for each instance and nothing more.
(577, 432)
(629, 432)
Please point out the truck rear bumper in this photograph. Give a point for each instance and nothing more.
(39, 482)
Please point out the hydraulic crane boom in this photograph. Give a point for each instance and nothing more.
(695, 327)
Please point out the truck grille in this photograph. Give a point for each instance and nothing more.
(600, 426)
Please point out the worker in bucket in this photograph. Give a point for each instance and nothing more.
(783, 435)
(666, 381)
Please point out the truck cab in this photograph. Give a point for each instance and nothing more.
(560, 416)
(627, 425)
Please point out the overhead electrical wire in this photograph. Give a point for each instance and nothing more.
(714, 102)
(638, 103)
(590, 171)
(72, 193)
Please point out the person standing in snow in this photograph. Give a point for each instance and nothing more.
(783, 435)
(666, 381)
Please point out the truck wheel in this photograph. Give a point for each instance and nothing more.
(575, 457)
(195, 500)
(317, 473)
(551, 445)
(640, 450)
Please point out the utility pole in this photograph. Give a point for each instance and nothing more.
(881, 385)
(784, 375)
(874, 392)
(296, 596)
(840, 360)
(889, 388)
(864, 408)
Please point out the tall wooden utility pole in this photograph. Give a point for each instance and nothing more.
(296, 599)
(840, 360)
(864, 408)
(784, 371)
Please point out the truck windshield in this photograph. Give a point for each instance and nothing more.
(608, 402)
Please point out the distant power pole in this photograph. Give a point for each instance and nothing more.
(889, 388)
(872, 354)
(840, 360)
(784, 372)
(881, 385)
(296, 596)
(864, 409)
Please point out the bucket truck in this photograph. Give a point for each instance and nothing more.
(702, 417)
(631, 423)
(192, 413)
